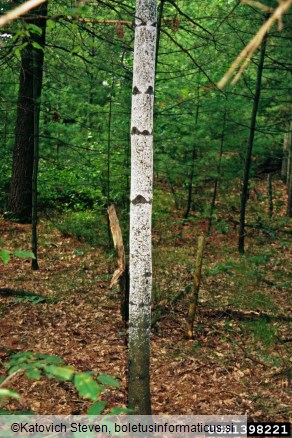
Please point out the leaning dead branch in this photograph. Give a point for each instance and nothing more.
(118, 244)
(21, 10)
(258, 5)
(243, 59)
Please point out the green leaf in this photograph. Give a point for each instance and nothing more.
(119, 411)
(24, 254)
(4, 393)
(50, 25)
(34, 373)
(62, 373)
(105, 379)
(49, 359)
(17, 53)
(20, 366)
(37, 46)
(87, 386)
(35, 29)
(4, 256)
(96, 408)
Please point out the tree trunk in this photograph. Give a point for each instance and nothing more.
(141, 206)
(216, 183)
(244, 192)
(270, 195)
(288, 167)
(194, 297)
(19, 207)
(289, 202)
(192, 171)
(34, 218)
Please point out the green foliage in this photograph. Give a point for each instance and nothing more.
(246, 274)
(88, 384)
(32, 299)
(261, 330)
(86, 226)
(105, 379)
(5, 254)
(96, 408)
(68, 186)
(6, 393)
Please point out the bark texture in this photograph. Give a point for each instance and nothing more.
(20, 197)
(141, 206)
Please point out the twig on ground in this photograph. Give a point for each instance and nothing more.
(11, 377)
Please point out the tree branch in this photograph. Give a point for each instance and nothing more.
(243, 59)
(21, 10)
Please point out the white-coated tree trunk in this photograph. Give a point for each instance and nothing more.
(141, 206)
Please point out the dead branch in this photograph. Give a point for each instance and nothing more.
(243, 59)
(20, 371)
(121, 274)
(118, 244)
(20, 10)
(258, 5)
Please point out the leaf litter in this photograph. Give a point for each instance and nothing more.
(226, 369)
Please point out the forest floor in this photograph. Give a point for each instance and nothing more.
(238, 362)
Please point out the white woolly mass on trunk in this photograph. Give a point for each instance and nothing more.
(142, 172)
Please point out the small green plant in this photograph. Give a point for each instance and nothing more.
(6, 393)
(31, 298)
(89, 385)
(23, 296)
(5, 255)
(262, 330)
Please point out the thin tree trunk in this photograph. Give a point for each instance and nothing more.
(286, 146)
(36, 96)
(192, 171)
(289, 183)
(19, 207)
(244, 192)
(194, 297)
(289, 169)
(38, 61)
(218, 173)
(109, 127)
(141, 206)
(190, 186)
(171, 186)
(270, 195)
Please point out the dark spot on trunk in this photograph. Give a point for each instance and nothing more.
(136, 91)
(150, 90)
(137, 132)
(140, 200)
